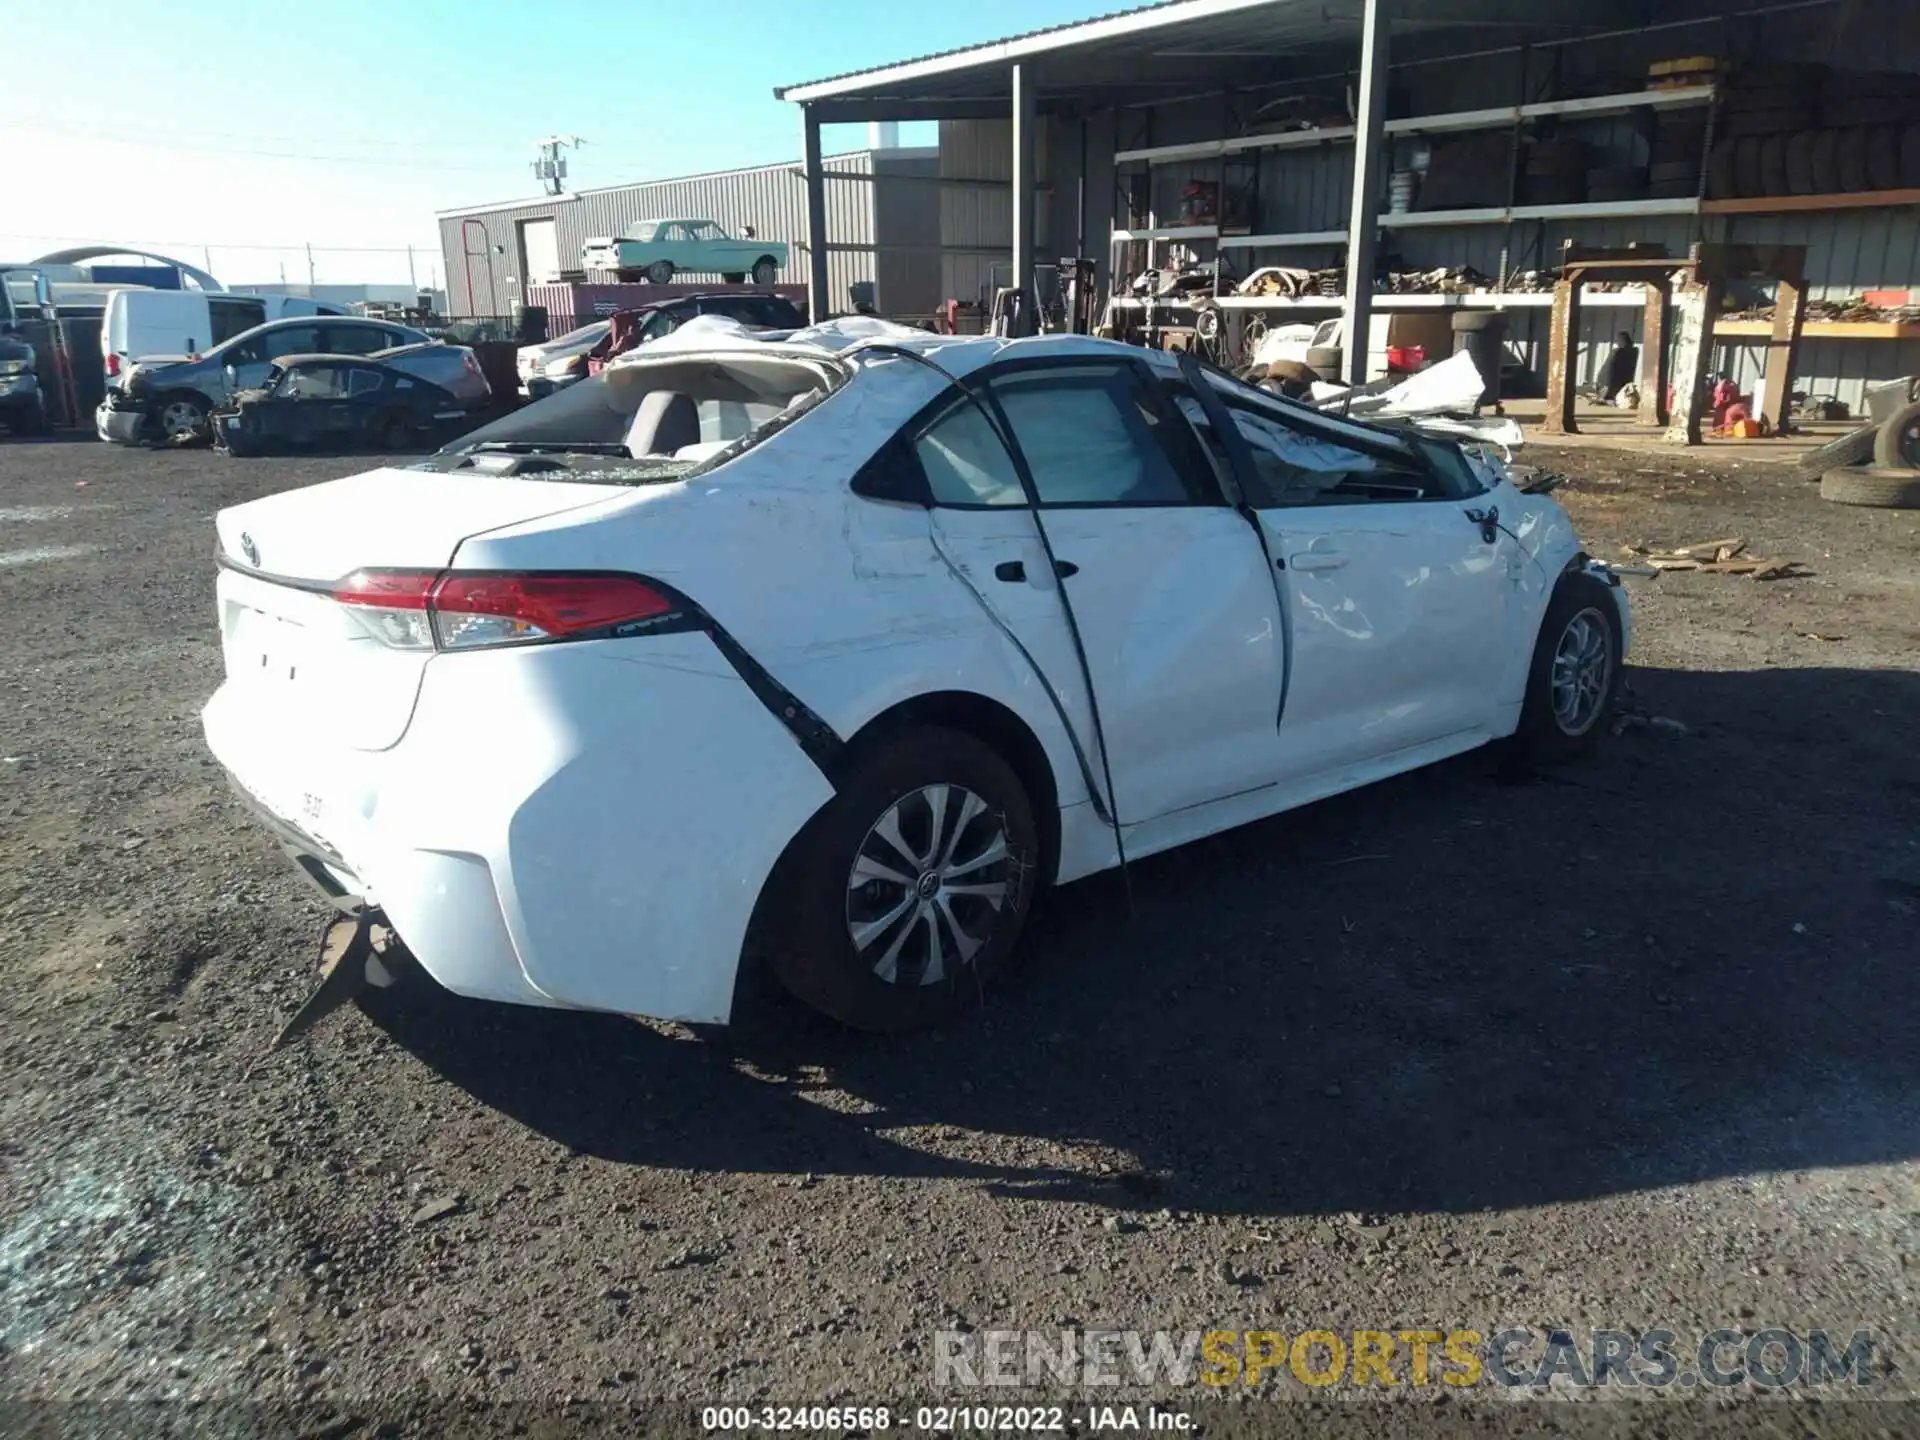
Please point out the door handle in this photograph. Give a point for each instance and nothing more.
(1015, 571)
(1317, 560)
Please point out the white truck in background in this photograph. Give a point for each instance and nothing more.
(140, 324)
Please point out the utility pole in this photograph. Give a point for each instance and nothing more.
(309, 269)
(412, 283)
(551, 168)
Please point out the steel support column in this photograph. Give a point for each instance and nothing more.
(1656, 363)
(1369, 166)
(1024, 121)
(1695, 307)
(1783, 350)
(819, 303)
(1563, 349)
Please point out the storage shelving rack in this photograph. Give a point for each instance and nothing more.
(1152, 235)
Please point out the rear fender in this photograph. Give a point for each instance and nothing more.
(628, 838)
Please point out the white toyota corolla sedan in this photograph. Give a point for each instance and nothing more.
(855, 639)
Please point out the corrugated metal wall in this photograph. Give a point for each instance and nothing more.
(976, 206)
(1300, 190)
(482, 247)
(906, 218)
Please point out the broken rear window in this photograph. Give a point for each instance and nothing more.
(651, 422)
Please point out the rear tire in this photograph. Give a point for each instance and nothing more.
(1575, 676)
(391, 432)
(905, 895)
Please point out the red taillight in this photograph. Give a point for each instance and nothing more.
(391, 605)
(388, 589)
(473, 365)
(456, 610)
(113, 365)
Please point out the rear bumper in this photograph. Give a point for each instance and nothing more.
(121, 426)
(584, 825)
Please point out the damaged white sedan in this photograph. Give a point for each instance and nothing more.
(853, 640)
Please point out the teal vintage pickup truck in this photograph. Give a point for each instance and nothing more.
(657, 250)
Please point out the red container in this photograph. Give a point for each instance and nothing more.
(1405, 359)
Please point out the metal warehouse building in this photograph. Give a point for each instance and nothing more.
(883, 210)
(1094, 138)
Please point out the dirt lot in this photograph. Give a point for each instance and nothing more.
(1632, 1046)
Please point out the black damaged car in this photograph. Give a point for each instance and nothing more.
(338, 402)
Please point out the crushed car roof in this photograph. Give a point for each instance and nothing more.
(843, 338)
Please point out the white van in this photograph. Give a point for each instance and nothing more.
(178, 324)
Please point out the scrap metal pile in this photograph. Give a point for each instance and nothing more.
(1718, 557)
(1291, 282)
(1855, 310)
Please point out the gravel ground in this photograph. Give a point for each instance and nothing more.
(1630, 1046)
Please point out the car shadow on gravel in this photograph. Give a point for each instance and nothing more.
(1690, 957)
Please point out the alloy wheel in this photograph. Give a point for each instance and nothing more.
(928, 885)
(1582, 672)
(180, 419)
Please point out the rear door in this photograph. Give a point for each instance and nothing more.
(1176, 617)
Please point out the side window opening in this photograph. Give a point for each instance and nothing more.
(1102, 435)
(1296, 468)
(964, 462)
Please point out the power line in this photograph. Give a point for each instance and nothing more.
(429, 246)
(86, 127)
(110, 138)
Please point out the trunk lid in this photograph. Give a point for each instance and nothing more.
(297, 658)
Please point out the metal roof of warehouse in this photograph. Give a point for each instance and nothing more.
(1152, 52)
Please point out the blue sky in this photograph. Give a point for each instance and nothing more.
(245, 132)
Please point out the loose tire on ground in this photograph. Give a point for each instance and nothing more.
(1548, 735)
(1886, 487)
(813, 909)
(1851, 449)
(1898, 440)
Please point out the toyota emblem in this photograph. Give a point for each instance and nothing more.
(250, 550)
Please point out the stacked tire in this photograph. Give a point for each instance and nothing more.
(1892, 480)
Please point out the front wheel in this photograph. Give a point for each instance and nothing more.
(764, 270)
(907, 892)
(1576, 671)
(660, 272)
(28, 419)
